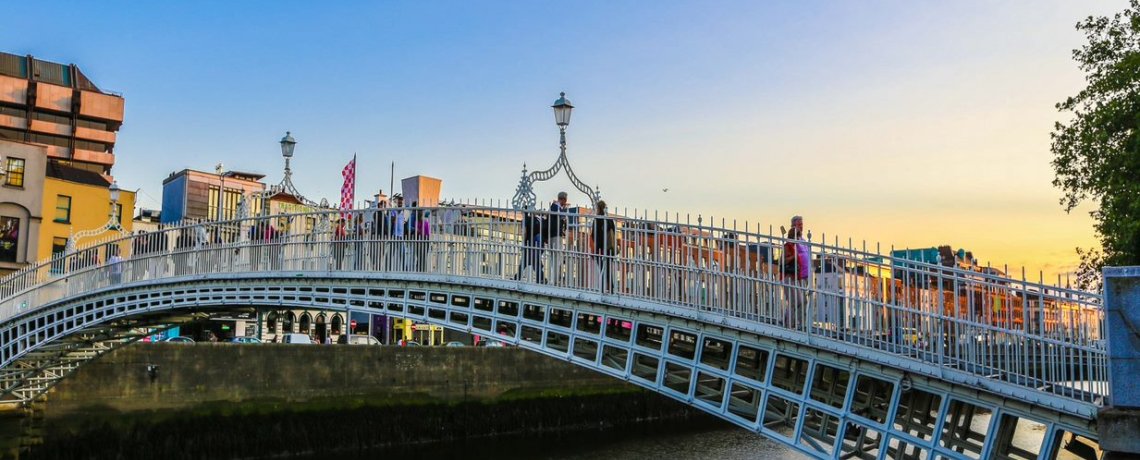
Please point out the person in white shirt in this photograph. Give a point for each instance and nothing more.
(398, 221)
(116, 264)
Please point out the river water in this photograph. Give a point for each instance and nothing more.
(726, 443)
(720, 441)
(704, 438)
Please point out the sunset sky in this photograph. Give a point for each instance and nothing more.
(907, 123)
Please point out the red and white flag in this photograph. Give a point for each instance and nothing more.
(348, 190)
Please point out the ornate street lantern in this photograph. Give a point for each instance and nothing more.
(287, 144)
(562, 109)
(524, 194)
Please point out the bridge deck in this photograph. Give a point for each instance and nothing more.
(1022, 341)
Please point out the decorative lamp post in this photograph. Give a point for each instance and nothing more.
(114, 189)
(562, 109)
(287, 146)
(524, 195)
(220, 170)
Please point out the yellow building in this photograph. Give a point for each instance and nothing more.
(421, 333)
(77, 200)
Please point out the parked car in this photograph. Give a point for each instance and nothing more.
(455, 344)
(407, 343)
(179, 339)
(363, 340)
(245, 340)
(296, 337)
(495, 344)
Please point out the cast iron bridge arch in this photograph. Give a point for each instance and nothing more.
(692, 315)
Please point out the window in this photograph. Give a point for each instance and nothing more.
(92, 124)
(13, 111)
(15, 168)
(271, 323)
(9, 238)
(49, 140)
(63, 209)
(229, 205)
(51, 118)
(92, 167)
(92, 146)
(212, 206)
(58, 246)
(119, 212)
(287, 324)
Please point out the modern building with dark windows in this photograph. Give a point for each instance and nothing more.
(57, 106)
(199, 195)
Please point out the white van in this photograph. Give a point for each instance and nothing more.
(294, 337)
(363, 340)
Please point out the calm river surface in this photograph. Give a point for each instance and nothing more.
(702, 440)
(719, 441)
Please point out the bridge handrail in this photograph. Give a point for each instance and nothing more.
(869, 256)
(908, 307)
(822, 244)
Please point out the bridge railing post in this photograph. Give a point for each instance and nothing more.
(1118, 421)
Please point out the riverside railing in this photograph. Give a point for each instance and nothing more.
(976, 321)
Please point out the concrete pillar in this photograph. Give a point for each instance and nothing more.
(1118, 423)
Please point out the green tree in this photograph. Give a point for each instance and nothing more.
(1096, 155)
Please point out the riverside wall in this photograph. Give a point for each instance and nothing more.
(192, 374)
(275, 400)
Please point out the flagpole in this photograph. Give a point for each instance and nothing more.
(392, 180)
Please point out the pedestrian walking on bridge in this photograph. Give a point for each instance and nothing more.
(605, 246)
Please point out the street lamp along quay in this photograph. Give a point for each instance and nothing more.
(524, 195)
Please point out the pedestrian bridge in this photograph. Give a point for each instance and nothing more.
(868, 357)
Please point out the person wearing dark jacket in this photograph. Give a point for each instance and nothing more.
(380, 231)
(339, 244)
(533, 226)
(605, 245)
(262, 237)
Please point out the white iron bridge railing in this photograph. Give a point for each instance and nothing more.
(977, 321)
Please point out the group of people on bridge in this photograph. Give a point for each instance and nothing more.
(558, 245)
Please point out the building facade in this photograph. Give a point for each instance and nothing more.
(57, 141)
(21, 203)
(77, 200)
(57, 106)
(422, 190)
(200, 195)
(147, 220)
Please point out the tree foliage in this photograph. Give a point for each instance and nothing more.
(1096, 155)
